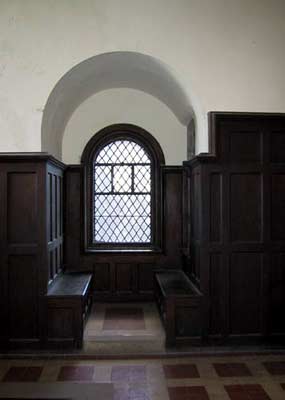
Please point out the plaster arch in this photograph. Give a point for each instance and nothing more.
(105, 71)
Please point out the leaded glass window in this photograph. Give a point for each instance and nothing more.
(122, 207)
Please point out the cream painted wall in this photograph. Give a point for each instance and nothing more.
(227, 54)
(125, 106)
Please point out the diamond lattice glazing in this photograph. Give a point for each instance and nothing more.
(122, 195)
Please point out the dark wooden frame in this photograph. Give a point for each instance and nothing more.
(153, 149)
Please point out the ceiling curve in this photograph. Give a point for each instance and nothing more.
(105, 71)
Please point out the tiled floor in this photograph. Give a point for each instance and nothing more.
(234, 377)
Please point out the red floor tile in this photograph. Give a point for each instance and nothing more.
(188, 393)
(246, 392)
(225, 370)
(275, 367)
(124, 373)
(76, 373)
(180, 371)
(124, 319)
(23, 374)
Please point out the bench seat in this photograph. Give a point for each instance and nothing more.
(180, 305)
(68, 301)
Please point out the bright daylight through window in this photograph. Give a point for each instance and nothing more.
(122, 194)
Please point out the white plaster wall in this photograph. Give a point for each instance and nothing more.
(125, 106)
(228, 54)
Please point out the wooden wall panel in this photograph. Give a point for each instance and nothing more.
(277, 293)
(172, 195)
(21, 240)
(245, 293)
(145, 277)
(245, 146)
(218, 276)
(62, 327)
(73, 218)
(22, 207)
(241, 270)
(196, 205)
(216, 207)
(23, 296)
(245, 207)
(277, 147)
(125, 277)
(278, 207)
(26, 210)
(102, 277)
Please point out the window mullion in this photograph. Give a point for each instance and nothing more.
(133, 179)
(112, 178)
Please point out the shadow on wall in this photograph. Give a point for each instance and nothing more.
(112, 70)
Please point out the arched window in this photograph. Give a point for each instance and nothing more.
(122, 190)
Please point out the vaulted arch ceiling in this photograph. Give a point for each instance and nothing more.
(105, 71)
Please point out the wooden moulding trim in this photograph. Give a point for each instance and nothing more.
(214, 118)
(31, 157)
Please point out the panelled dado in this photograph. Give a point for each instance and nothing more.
(238, 229)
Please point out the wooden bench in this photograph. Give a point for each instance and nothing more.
(68, 301)
(180, 306)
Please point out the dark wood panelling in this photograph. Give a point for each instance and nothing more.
(23, 296)
(102, 277)
(172, 194)
(196, 204)
(22, 207)
(124, 277)
(26, 210)
(218, 304)
(245, 207)
(145, 277)
(278, 207)
(245, 293)
(240, 187)
(73, 218)
(277, 293)
(21, 240)
(188, 321)
(216, 207)
(245, 146)
(62, 326)
(277, 147)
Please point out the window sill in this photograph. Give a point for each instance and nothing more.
(155, 250)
